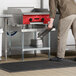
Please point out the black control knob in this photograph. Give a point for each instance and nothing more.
(42, 19)
(30, 19)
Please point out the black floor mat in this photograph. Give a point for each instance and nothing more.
(36, 65)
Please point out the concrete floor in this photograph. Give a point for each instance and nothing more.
(64, 71)
(48, 72)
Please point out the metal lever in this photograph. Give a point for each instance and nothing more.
(46, 31)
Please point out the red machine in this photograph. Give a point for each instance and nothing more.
(27, 19)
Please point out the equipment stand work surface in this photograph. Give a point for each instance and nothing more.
(37, 66)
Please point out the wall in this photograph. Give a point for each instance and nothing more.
(18, 3)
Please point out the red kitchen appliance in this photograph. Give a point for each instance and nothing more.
(36, 17)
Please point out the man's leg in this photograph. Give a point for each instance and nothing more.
(63, 28)
(74, 31)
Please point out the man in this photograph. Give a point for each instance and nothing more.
(67, 9)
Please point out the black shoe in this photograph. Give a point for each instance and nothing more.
(57, 59)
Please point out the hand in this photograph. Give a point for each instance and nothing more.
(50, 24)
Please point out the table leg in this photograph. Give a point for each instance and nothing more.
(5, 25)
(49, 44)
(22, 46)
(35, 38)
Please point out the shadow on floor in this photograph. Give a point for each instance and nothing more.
(36, 65)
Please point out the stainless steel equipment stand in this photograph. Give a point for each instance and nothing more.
(5, 17)
(29, 48)
(23, 30)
